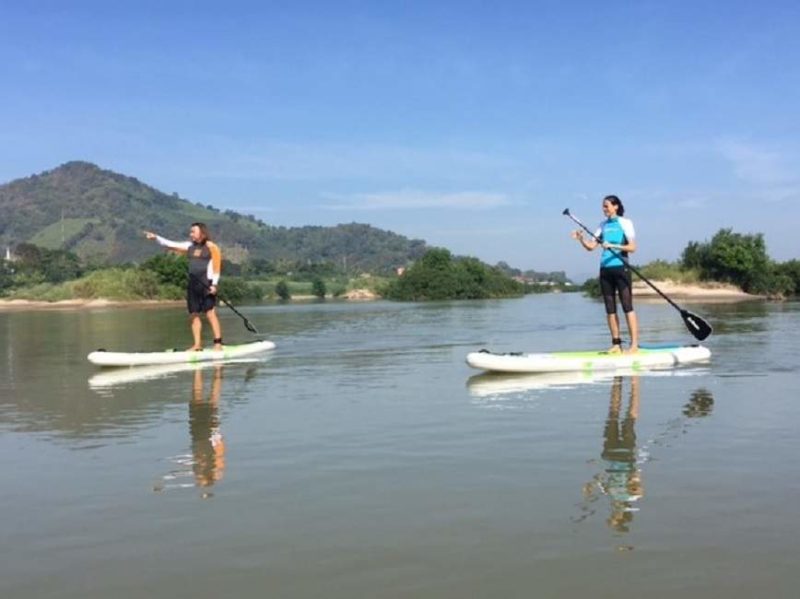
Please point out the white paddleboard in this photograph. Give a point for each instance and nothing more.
(590, 361)
(228, 352)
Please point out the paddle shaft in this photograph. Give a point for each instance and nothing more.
(248, 325)
(696, 325)
(625, 260)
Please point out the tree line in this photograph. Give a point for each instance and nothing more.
(439, 275)
(740, 259)
(729, 257)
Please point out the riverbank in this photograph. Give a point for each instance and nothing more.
(706, 292)
(75, 304)
(356, 295)
(698, 292)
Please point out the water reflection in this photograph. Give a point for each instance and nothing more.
(205, 465)
(494, 386)
(622, 458)
(106, 380)
(208, 446)
(621, 479)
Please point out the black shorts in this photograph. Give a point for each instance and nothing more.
(616, 280)
(199, 300)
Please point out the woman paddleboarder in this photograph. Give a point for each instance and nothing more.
(617, 238)
(205, 264)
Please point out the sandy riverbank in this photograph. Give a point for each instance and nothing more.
(705, 292)
(80, 304)
(709, 292)
(75, 304)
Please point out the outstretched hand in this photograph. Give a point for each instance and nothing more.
(149, 234)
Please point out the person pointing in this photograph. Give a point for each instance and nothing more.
(205, 265)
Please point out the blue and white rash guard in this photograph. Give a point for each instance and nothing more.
(616, 230)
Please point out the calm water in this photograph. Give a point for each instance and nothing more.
(365, 459)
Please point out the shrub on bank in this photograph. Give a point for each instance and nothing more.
(439, 276)
(119, 284)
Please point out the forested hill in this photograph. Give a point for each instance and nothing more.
(99, 215)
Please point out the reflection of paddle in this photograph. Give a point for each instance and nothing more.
(247, 323)
(696, 325)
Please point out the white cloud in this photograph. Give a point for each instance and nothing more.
(691, 203)
(758, 165)
(410, 199)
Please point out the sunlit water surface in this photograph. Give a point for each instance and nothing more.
(363, 458)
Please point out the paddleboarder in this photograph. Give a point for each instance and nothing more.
(205, 264)
(617, 237)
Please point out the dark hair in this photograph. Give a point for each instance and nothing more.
(617, 202)
(204, 229)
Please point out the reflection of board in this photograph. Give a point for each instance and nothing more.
(646, 357)
(491, 384)
(228, 352)
(121, 376)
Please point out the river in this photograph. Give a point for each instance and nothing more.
(363, 458)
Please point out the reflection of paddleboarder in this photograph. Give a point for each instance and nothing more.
(623, 479)
(208, 447)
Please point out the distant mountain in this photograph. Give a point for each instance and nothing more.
(100, 214)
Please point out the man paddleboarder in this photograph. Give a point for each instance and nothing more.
(205, 265)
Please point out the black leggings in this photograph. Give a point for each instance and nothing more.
(613, 280)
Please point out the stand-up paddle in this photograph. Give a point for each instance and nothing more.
(696, 325)
(248, 325)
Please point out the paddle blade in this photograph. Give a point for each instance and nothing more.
(249, 326)
(696, 325)
(566, 212)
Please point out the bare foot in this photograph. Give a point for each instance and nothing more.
(194, 348)
(217, 347)
(633, 349)
(614, 349)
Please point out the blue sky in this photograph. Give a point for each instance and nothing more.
(468, 124)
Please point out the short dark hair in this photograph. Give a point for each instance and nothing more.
(203, 229)
(617, 202)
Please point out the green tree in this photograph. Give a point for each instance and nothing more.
(318, 288)
(6, 276)
(169, 268)
(282, 290)
(58, 266)
(695, 255)
(438, 276)
(52, 266)
(731, 257)
(790, 270)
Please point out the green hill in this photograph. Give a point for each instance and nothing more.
(99, 215)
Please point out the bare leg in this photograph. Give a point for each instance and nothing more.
(197, 327)
(633, 329)
(211, 315)
(613, 327)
